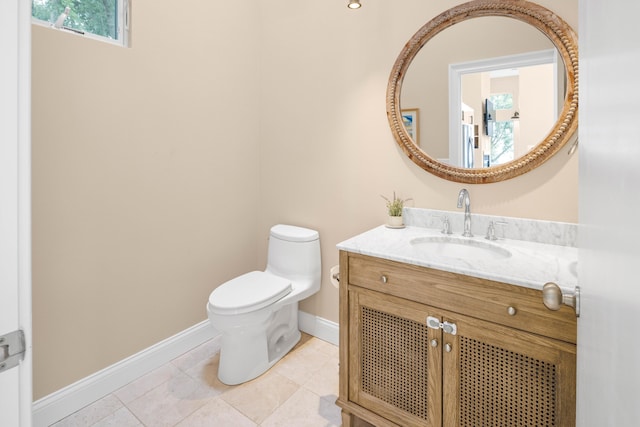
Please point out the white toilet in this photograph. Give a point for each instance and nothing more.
(257, 313)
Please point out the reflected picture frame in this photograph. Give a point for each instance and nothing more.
(410, 117)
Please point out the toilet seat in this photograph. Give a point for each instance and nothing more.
(249, 292)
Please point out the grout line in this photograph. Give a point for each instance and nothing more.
(181, 369)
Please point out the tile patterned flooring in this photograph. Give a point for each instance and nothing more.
(300, 390)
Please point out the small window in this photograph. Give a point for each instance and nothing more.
(102, 19)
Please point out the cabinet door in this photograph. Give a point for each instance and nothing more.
(497, 376)
(394, 359)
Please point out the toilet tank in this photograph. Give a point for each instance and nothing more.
(294, 253)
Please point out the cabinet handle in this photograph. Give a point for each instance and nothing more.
(447, 348)
(384, 278)
(512, 311)
(553, 297)
(434, 343)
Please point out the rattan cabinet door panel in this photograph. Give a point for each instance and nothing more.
(498, 376)
(395, 359)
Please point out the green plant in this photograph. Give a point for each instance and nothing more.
(395, 205)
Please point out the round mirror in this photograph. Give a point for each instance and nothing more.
(499, 104)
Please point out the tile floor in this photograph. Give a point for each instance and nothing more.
(299, 391)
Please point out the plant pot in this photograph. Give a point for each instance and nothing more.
(394, 221)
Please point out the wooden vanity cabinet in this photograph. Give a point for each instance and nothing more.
(506, 364)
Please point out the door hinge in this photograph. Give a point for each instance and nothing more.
(12, 350)
(448, 328)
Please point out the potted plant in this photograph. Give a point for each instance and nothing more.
(394, 209)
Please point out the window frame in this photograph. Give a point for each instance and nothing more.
(124, 19)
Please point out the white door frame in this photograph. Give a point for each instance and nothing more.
(15, 203)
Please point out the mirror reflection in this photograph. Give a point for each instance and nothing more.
(490, 100)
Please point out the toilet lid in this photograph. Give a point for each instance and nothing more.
(248, 292)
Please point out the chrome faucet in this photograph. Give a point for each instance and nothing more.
(463, 197)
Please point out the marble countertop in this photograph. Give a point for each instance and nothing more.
(531, 264)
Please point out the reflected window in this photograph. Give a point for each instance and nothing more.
(502, 139)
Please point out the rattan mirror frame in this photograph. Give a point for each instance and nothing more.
(563, 38)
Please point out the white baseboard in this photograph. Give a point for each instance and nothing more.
(70, 399)
(76, 396)
(318, 327)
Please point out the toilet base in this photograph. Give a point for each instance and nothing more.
(248, 351)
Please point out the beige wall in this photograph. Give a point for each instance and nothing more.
(256, 113)
(145, 181)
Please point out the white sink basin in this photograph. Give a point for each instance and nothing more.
(459, 247)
